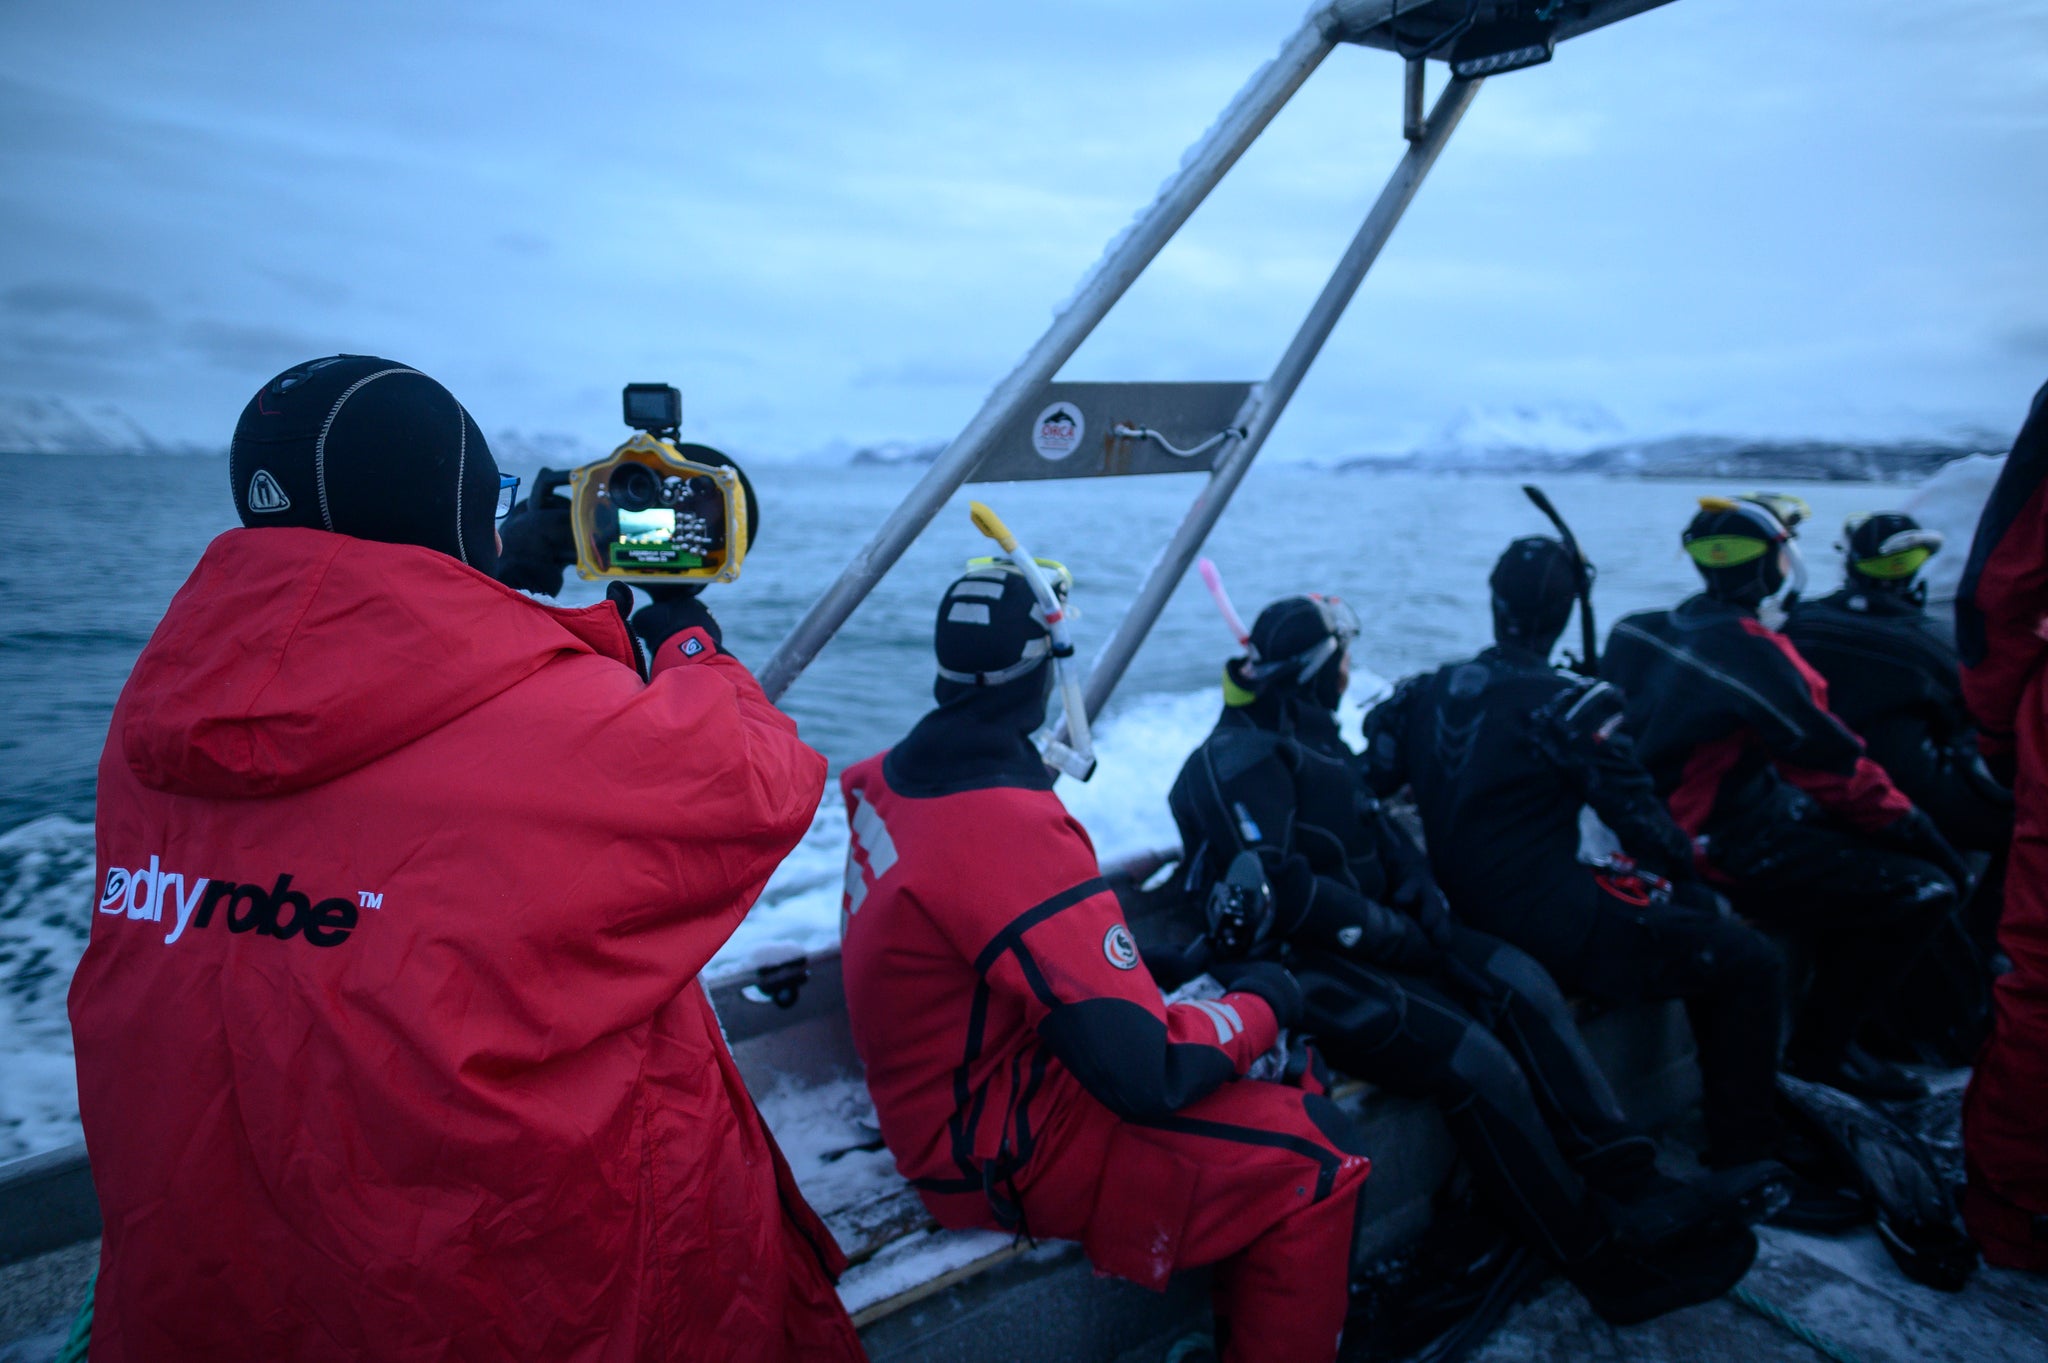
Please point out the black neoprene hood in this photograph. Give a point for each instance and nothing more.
(370, 448)
(1534, 586)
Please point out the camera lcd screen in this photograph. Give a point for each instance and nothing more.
(657, 526)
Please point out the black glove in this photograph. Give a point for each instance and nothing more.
(1474, 985)
(1425, 903)
(1414, 954)
(539, 540)
(670, 611)
(1266, 980)
(1915, 833)
(2001, 756)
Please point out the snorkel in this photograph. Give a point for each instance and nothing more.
(1246, 679)
(1213, 580)
(1235, 693)
(1075, 756)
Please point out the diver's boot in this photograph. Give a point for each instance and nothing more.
(1672, 1210)
(1626, 1284)
(1814, 1196)
(1819, 1205)
(1862, 1075)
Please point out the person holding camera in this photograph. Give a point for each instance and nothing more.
(389, 1037)
(1398, 993)
(1026, 1074)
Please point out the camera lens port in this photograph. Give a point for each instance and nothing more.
(634, 487)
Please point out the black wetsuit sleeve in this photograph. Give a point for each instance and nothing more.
(1127, 1060)
(1251, 807)
(1581, 733)
(1076, 971)
(1387, 729)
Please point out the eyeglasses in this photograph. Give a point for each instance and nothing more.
(508, 495)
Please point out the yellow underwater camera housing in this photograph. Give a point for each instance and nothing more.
(656, 510)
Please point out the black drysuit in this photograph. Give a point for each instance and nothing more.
(1442, 1011)
(1804, 831)
(1896, 681)
(1501, 753)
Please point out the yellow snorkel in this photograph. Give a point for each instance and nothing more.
(1076, 755)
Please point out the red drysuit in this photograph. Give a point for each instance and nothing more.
(389, 1039)
(2002, 634)
(1028, 1077)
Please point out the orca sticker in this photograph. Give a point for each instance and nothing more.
(1119, 948)
(265, 495)
(1058, 430)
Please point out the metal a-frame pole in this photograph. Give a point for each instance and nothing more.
(1204, 165)
(1270, 399)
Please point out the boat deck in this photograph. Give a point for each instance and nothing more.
(922, 1295)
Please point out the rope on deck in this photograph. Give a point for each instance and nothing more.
(1805, 1334)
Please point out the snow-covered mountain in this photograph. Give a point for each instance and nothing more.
(41, 425)
(899, 452)
(1698, 456)
(1589, 439)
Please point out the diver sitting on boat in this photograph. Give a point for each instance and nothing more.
(390, 1039)
(1501, 753)
(1026, 1074)
(1807, 835)
(1895, 679)
(1399, 994)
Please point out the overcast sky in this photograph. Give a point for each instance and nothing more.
(833, 221)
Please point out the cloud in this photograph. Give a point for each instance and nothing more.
(96, 302)
(2029, 342)
(250, 350)
(826, 221)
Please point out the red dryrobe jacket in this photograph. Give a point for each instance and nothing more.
(2002, 631)
(389, 1039)
(1005, 1020)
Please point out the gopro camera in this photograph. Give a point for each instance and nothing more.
(1239, 912)
(655, 407)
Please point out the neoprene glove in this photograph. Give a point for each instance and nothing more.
(2001, 757)
(1425, 903)
(669, 612)
(539, 540)
(1476, 986)
(1267, 980)
(1414, 953)
(1915, 833)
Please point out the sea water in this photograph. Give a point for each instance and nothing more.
(95, 547)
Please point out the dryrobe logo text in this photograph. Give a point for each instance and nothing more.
(155, 895)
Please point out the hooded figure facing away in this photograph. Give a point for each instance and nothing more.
(1808, 836)
(1026, 1073)
(1399, 994)
(390, 1042)
(1503, 752)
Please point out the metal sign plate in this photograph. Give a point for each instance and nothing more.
(1081, 430)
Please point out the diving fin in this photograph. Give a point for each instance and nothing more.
(1916, 1214)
